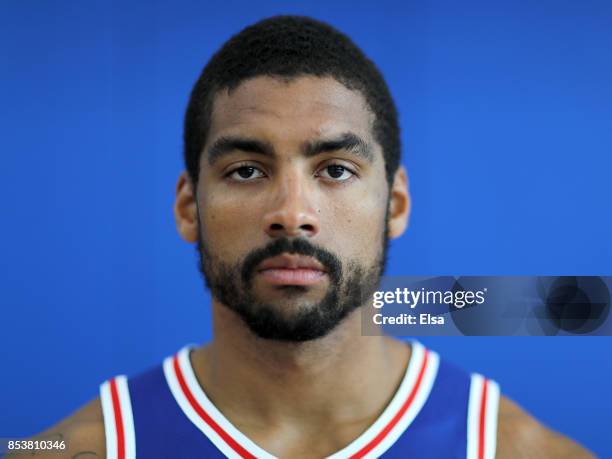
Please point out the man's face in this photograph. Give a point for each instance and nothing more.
(292, 202)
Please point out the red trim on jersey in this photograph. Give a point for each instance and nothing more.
(383, 433)
(205, 416)
(481, 428)
(118, 420)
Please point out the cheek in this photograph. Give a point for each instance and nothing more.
(357, 224)
(228, 225)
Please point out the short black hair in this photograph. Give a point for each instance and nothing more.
(289, 47)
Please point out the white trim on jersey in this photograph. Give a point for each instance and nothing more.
(483, 407)
(395, 419)
(110, 431)
(118, 430)
(128, 418)
(172, 377)
(403, 394)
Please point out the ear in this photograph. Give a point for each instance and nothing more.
(185, 209)
(399, 204)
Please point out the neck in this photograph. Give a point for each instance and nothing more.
(340, 378)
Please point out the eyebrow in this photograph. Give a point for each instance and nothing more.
(225, 145)
(347, 141)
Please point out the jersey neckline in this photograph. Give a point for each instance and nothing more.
(403, 408)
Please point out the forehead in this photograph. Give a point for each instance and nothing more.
(286, 110)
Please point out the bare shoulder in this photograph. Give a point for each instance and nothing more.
(519, 435)
(82, 432)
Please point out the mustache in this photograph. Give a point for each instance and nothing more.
(294, 247)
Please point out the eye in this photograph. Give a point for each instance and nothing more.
(245, 173)
(336, 172)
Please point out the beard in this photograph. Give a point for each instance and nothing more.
(295, 320)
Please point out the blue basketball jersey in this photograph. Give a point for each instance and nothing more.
(438, 411)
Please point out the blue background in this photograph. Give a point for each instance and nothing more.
(506, 110)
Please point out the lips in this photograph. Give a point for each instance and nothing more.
(291, 270)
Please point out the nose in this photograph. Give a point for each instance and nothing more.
(291, 213)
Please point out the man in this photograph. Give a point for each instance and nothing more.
(292, 189)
